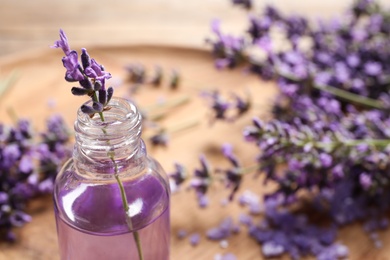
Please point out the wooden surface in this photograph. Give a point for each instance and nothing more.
(121, 29)
(40, 82)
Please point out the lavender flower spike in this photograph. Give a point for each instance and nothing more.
(90, 75)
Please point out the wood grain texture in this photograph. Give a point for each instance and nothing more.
(40, 80)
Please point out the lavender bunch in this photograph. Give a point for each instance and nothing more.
(330, 131)
(332, 111)
(29, 163)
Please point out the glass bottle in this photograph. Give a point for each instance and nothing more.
(91, 219)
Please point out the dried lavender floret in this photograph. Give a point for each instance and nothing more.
(137, 73)
(160, 139)
(181, 233)
(226, 256)
(245, 219)
(222, 231)
(201, 181)
(194, 239)
(252, 201)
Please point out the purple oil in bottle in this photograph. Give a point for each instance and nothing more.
(75, 244)
(91, 223)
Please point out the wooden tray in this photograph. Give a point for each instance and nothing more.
(41, 82)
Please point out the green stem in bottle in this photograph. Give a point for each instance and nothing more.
(95, 98)
(125, 205)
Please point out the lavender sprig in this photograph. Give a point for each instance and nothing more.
(91, 77)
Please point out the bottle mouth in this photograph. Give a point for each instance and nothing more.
(122, 116)
(116, 138)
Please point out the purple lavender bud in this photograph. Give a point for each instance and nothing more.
(160, 139)
(181, 233)
(3, 197)
(227, 256)
(353, 60)
(203, 200)
(205, 171)
(87, 110)
(326, 160)
(86, 83)
(223, 230)
(102, 96)
(85, 59)
(98, 86)
(272, 13)
(79, 91)
(338, 171)
(10, 154)
(26, 164)
(19, 218)
(251, 134)
(222, 63)
(46, 186)
(227, 150)
(365, 180)
(217, 233)
(245, 219)
(110, 93)
(194, 239)
(179, 175)
(242, 105)
(373, 68)
(97, 106)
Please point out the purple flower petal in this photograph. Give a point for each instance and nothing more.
(62, 43)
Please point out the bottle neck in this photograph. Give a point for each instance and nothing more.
(112, 146)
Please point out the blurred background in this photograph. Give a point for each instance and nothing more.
(34, 24)
(27, 26)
